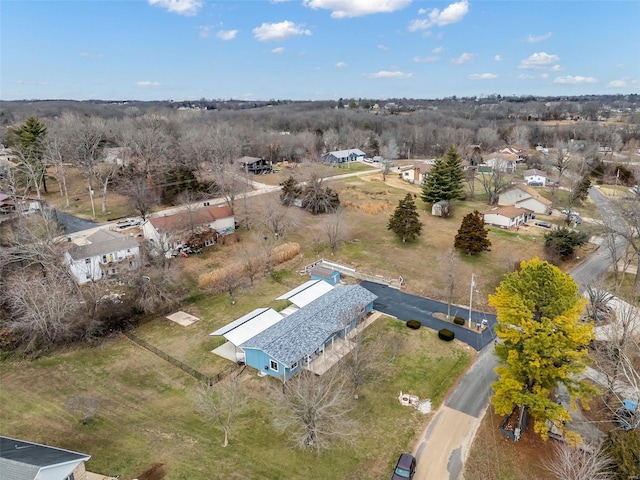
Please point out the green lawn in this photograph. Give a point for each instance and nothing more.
(146, 412)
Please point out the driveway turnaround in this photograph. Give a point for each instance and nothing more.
(411, 307)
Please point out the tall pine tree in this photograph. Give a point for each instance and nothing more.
(405, 221)
(445, 181)
(472, 235)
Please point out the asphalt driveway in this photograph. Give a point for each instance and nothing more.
(407, 307)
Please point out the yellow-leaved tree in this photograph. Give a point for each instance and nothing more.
(544, 343)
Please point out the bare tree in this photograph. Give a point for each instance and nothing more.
(54, 155)
(494, 183)
(335, 229)
(253, 261)
(579, 463)
(365, 363)
(562, 160)
(143, 197)
(276, 217)
(314, 410)
(85, 406)
(223, 403)
(44, 310)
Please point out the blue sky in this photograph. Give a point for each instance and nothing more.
(316, 49)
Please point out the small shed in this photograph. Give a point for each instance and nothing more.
(440, 209)
(332, 277)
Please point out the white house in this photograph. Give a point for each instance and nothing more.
(506, 217)
(502, 162)
(525, 197)
(200, 228)
(344, 156)
(535, 177)
(107, 254)
(416, 173)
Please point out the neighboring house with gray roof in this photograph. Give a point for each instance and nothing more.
(21, 460)
(105, 254)
(295, 341)
(344, 156)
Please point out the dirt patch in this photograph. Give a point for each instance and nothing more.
(154, 472)
(495, 456)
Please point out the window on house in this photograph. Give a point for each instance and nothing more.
(294, 365)
(88, 276)
(104, 259)
(273, 365)
(87, 261)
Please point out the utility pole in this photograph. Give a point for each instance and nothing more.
(473, 285)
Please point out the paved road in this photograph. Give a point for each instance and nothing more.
(406, 307)
(73, 224)
(599, 262)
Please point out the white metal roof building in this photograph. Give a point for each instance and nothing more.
(248, 326)
(306, 293)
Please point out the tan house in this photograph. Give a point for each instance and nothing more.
(506, 217)
(416, 174)
(524, 196)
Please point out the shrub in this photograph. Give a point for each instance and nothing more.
(284, 252)
(459, 321)
(413, 324)
(446, 335)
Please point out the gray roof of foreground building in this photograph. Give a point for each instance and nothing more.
(103, 245)
(22, 460)
(304, 331)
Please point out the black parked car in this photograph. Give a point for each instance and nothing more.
(544, 224)
(405, 468)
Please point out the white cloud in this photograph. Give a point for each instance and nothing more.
(278, 50)
(620, 65)
(147, 84)
(356, 8)
(383, 47)
(498, 58)
(388, 74)
(556, 68)
(464, 58)
(624, 82)
(482, 76)
(539, 38)
(538, 61)
(577, 80)
(279, 31)
(531, 76)
(451, 14)
(438, 50)
(181, 7)
(425, 59)
(227, 34)
(341, 65)
(204, 31)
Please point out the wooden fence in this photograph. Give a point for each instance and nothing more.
(208, 380)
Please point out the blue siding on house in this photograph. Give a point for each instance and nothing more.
(333, 279)
(305, 332)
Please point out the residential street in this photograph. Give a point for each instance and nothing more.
(447, 440)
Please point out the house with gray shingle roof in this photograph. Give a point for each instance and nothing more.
(344, 156)
(295, 341)
(21, 460)
(105, 254)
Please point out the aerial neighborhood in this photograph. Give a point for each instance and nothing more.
(279, 297)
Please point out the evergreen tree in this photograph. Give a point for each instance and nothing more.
(543, 343)
(445, 181)
(581, 191)
(290, 191)
(29, 140)
(472, 235)
(405, 221)
(562, 242)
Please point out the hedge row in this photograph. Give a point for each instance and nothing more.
(446, 335)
